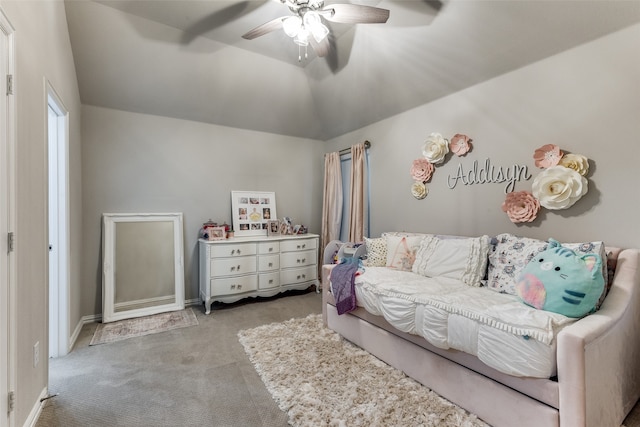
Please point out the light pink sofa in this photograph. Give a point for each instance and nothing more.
(598, 379)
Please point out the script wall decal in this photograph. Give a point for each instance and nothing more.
(487, 173)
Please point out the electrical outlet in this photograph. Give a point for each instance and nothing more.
(36, 354)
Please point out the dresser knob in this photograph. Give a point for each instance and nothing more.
(270, 264)
(271, 281)
(304, 276)
(233, 287)
(304, 259)
(233, 268)
(298, 276)
(238, 268)
(233, 251)
(298, 261)
(239, 286)
(270, 249)
(304, 246)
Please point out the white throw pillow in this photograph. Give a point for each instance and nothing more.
(401, 251)
(462, 259)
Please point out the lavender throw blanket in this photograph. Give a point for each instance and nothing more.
(342, 284)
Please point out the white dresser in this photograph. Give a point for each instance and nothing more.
(244, 267)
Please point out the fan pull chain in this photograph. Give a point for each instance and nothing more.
(306, 54)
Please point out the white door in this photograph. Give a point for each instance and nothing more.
(7, 194)
(57, 134)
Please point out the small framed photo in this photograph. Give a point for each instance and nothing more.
(273, 227)
(217, 233)
(296, 229)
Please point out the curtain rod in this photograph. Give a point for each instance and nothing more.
(367, 145)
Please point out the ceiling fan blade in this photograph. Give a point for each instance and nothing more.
(322, 48)
(265, 28)
(346, 13)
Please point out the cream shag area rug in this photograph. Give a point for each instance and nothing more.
(320, 379)
(147, 325)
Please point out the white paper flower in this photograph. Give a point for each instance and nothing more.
(559, 187)
(435, 148)
(419, 190)
(577, 162)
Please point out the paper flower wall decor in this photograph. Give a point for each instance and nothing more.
(435, 148)
(521, 206)
(560, 184)
(460, 144)
(547, 156)
(421, 170)
(434, 152)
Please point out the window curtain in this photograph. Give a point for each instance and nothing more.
(332, 199)
(357, 191)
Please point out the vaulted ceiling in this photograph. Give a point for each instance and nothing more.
(186, 59)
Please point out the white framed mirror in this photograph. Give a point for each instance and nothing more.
(143, 265)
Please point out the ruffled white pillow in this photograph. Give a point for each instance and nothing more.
(463, 259)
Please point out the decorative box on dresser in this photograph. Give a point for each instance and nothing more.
(243, 267)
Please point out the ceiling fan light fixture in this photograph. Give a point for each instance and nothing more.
(315, 26)
(292, 26)
(302, 38)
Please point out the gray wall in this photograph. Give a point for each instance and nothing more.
(136, 163)
(585, 100)
(43, 53)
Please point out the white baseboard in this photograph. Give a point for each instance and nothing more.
(32, 419)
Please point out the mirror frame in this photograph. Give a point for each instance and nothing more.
(109, 268)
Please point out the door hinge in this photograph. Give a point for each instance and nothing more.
(9, 84)
(11, 401)
(10, 241)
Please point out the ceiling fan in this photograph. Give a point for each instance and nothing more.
(306, 25)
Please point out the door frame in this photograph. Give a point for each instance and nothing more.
(58, 219)
(7, 224)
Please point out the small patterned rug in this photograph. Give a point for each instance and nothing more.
(147, 325)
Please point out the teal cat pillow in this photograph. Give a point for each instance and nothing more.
(561, 281)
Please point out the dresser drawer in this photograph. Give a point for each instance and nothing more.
(268, 262)
(234, 285)
(298, 275)
(269, 280)
(298, 245)
(298, 259)
(232, 266)
(268, 248)
(234, 249)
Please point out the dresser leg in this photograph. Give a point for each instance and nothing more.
(207, 306)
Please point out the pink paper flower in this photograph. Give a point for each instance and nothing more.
(521, 206)
(460, 144)
(547, 156)
(422, 170)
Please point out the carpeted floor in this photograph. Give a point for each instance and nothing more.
(195, 376)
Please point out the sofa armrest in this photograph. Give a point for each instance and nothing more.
(598, 375)
(326, 290)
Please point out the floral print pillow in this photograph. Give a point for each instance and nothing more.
(376, 252)
(401, 251)
(512, 253)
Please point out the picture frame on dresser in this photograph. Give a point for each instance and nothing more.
(251, 212)
(217, 233)
(273, 227)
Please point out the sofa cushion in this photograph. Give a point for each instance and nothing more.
(464, 259)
